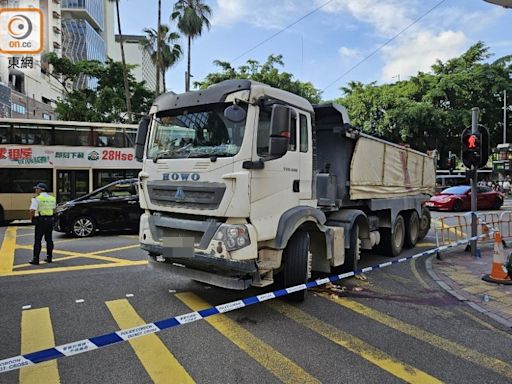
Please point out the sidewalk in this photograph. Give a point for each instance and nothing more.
(461, 275)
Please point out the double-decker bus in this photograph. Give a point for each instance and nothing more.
(71, 158)
(502, 160)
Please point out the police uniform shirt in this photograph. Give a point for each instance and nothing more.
(34, 205)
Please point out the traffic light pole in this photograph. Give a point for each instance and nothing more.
(474, 179)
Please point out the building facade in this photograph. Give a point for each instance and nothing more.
(77, 29)
(139, 56)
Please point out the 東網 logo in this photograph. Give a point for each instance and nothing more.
(21, 30)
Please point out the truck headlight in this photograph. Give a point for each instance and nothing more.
(233, 236)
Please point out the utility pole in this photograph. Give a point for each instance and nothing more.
(504, 116)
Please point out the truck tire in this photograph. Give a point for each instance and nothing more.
(425, 221)
(351, 254)
(412, 229)
(295, 270)
(393, 238)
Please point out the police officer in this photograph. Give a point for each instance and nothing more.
(41, 213)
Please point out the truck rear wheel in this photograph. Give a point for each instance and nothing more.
(425, 220)
(393, 239)
(295, 270)
(412, 229)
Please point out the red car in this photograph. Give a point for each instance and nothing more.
(459, 199)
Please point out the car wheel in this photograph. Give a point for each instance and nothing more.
(497, 204)
(83, 226)
(412, 229)
(457, 205)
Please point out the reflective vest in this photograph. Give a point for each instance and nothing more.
(45, 205)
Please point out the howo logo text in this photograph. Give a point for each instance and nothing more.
(182, 176)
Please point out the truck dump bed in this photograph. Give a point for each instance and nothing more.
(354, 166)
(384, 170)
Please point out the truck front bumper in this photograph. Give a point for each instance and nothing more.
(236, 274)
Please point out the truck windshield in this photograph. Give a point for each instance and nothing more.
(197, 132)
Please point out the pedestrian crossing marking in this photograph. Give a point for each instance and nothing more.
(355, 345)
(7, 250)
(37, 334)
(279, 365)
(449, 346)
(158, 361)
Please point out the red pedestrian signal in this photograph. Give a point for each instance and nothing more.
(472, 142)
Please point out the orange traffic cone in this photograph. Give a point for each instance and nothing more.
(498, 273)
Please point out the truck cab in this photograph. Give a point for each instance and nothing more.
(236, 192)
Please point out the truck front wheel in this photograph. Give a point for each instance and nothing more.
(295, 270)
(393, 239)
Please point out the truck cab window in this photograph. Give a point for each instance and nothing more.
(303, 133)
(264, 133)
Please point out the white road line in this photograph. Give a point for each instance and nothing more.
(79, 301)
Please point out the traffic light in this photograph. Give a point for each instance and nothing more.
(471, 148)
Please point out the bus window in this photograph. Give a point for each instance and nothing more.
(23, 180)
(103, 177)
(5, 134)
(32, 135)
(72, 136)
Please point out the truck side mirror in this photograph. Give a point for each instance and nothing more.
(140, 139)
(280, 123)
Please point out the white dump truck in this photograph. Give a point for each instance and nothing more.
(243, 184)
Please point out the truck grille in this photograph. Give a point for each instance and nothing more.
(186, 194)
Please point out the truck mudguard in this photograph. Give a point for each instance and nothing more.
(293, 218)
(346, 218)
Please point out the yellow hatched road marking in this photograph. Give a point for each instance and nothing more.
(37, 334)
(7, 250)
(357, 346)
(80, 254)
(43, 262)
(276, 363)
(458, 350)
(158, 361)
(75, 268)
(116, 249)
(425, 244)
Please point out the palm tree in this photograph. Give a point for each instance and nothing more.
(192, 16)
(123, 59)
(158, 46)
(168, 54)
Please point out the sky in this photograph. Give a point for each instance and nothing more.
(325, 46)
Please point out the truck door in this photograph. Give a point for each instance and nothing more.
(276, 187)
(306, 156)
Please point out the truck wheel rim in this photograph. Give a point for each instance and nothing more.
(83, 227)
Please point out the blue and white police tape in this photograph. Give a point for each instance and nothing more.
(92, 343)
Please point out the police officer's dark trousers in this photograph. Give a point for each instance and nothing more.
(44, 227)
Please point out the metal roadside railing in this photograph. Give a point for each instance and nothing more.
(453, 228)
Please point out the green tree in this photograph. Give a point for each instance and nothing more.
(106, 103)
(123, 60)
(167, 55)
(191, 16)
(266, 73)
(430, 110)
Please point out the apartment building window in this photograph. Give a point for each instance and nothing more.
(47, 116)
(18, 108)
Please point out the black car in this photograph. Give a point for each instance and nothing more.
(110, 208)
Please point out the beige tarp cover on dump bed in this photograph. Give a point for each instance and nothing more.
(385, 170)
